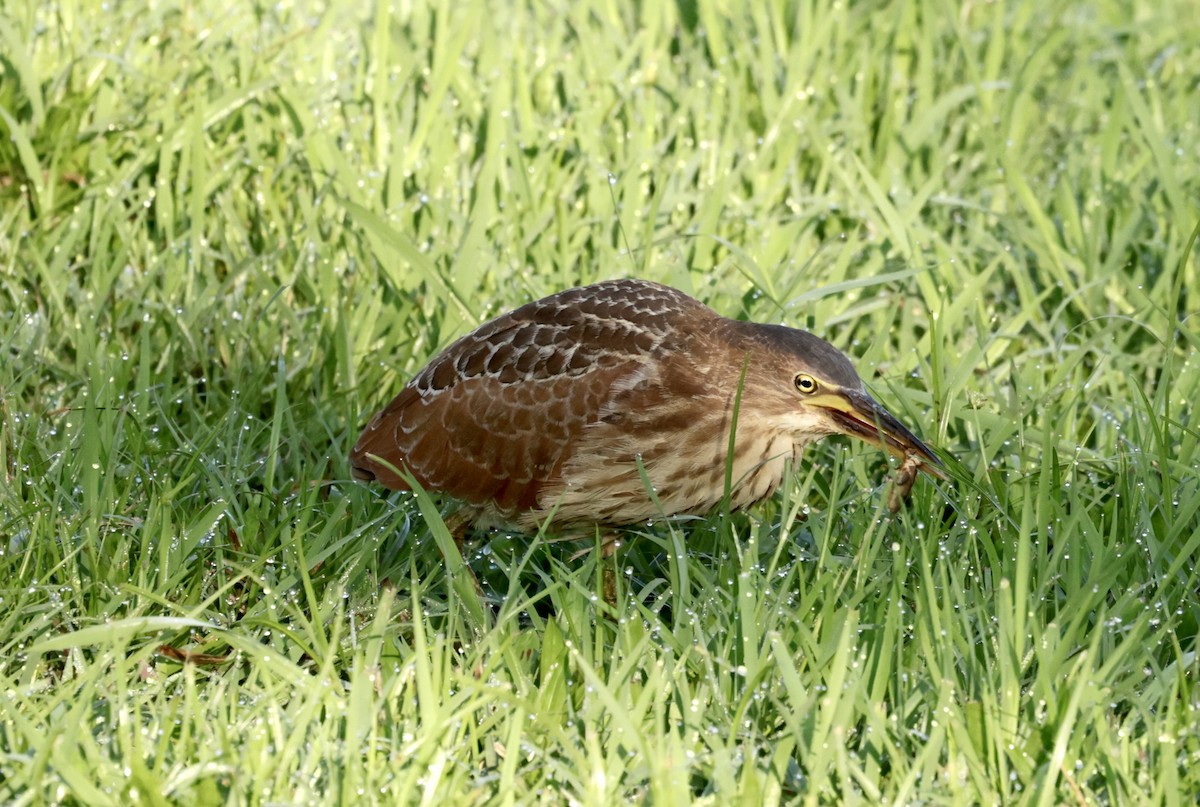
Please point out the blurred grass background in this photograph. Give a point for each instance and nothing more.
(229, 232)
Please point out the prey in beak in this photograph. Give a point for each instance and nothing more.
(857, 414)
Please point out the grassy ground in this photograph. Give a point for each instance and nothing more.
(228, 234)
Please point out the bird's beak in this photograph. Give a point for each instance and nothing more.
(857, 414)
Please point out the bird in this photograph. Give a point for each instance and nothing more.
(617, 403)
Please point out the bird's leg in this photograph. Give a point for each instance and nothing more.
(609, 544)
(457, 523)
(609, 584)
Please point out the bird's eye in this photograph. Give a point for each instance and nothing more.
(806, 383)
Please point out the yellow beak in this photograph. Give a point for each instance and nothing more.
(857, 414)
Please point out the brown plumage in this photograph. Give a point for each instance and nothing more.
(555, 411)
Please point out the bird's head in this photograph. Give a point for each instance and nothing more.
(814, 391)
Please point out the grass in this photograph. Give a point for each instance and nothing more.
(231, 232)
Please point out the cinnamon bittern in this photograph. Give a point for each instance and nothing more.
(555, 411)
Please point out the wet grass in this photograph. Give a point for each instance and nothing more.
(228, 235)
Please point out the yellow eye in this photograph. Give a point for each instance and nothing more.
(806, 383)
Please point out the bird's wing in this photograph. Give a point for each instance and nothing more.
(493, 417)
(481, 440)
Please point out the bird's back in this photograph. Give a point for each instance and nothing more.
(494, 418)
